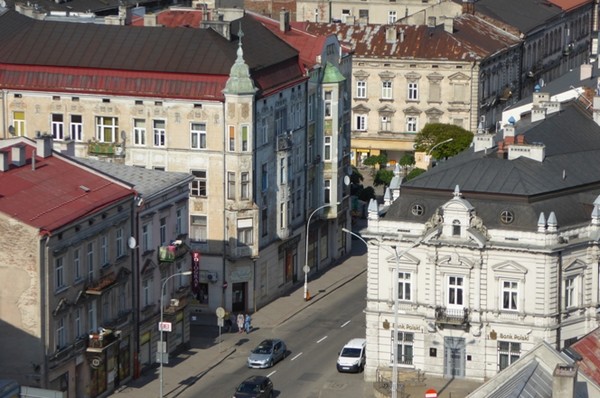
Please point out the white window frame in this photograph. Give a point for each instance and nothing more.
(385, 123)
(159, 132)
(231, 185)
(509, 287)
(77, 263)
(245, 138)
(392, 17)
(405, 286)
(245, 185)
(512, 353)
(199, 186)
(179, 221)
(245, 236)
(198, 135)
(147, 237)
(103, 250)
(412, 125)
(328, 104)
(61, 333)
(139, 132)
(90, 261)
(452, 286)
(361, 89)
(327, 148)
(311, 105)
(413, 91)
(18, 123)
(76, 128)
(105, 126)
(58, 126)
(404, 344)
(59, 273)
(120, 242)
(199, 228)
(360, 122)
(162, 231)
(327, 191)
(386, 90)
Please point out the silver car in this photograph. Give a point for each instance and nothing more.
(267, 354)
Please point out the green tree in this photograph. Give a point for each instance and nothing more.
(406, 161)
(434, 133)
(414, 173)
(367, 194)
(383, 177)
(380, 160)
(356, 177)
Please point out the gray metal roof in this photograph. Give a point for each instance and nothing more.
(146, 182)
(525, 15)
(533, 381)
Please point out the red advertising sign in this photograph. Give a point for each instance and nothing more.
(196, 272)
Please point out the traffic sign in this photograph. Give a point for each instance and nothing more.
(220, 312)
(164, 326)
(431, 393)
(306, 269)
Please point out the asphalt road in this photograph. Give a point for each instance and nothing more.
(314, 337)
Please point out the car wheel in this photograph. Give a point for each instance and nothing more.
(271, 363)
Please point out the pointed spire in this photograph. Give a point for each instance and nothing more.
(239, 81)
(387, 196)
(457, 191)
(373, 210)
(596, 215)
(397, 169)
(552, 222)
(541, 223)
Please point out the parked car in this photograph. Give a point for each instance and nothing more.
(267, 354)
(352, 358)
(255, 387)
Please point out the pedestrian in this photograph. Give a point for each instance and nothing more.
(228, 323)
(247, 323)
(232, 320)
(240, 322)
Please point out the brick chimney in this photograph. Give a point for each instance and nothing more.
(284, 21)
(564, 379)
(468, 7)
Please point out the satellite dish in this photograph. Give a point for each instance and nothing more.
(347, 180)
(131, 242)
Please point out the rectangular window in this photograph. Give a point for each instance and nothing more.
(19, 123)
(231, 185)
(107, 128)
(119, 243)
(363, 14)
(76, 128)
(179, 221)
(58, 127)
(264, 220)
(508, 353)
(139, 132)
(59, 273)
(78, 325)
(77, 264)
(199, 229)
(404, 286)
(244, 234)
(327, 148)
(455, 290)
(311, 104)
(413, 91)
(386, 89)
(510, 295)
(327, 191)
(61, 334)
(404, 348)
(280, 121)
(392, 17)
(328, 104)
(163, 231)
(146, 237)
(245, 185)
(264, 130)
(92, 320)
(245, 144)
(90, 261)
(435, 91)
(103, 250)
(231, 138)
(146, 294)
(361, 89)
(264, 177)
(198, 135)
(361, 122)
(385, 123)
(411, 124)
(570, 299)
(282, 172)
(282, 212)
(160, 133)
(198, 185)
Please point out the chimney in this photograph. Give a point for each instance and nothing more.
(4, 161)
(44, 145)
(431, 22)
(585, 72)
(509, 131)
(564, 379)
(18, 155)
(150, 19)
(468, 7)
(449, 25)
(284, 20)
(390, 35)
(350, 20)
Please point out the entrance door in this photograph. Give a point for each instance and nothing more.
(454, 357)
(238, 301)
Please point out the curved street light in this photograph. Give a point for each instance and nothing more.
(438, 144)
(396, 303)
(160, 326)
(306, 268)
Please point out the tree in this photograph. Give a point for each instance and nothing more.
(414, 173)
(367, 194)
(434, 133)
(380, 160)
(406, 161)
(383, 177)
(356, 177)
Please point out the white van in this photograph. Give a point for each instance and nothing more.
(352, 358)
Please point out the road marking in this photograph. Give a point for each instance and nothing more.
(272, 373)
(295, 357)
(345, 323)
(318, 341)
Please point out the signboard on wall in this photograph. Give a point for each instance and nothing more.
(196, 272)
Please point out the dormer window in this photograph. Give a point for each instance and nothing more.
(455, 228)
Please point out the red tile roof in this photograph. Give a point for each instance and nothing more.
(180, 18)
(55, 193)
(568, 5)
(588, 347)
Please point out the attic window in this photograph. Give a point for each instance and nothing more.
(455, 228)
(56, 97)
(75, 99)
(18, 96)
(139, 102)
(106, 100)
(158, 103)
(197, 106)
(506, 217)
(417, 210)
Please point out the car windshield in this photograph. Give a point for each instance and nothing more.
(351, 352)
(248, 387)
(264, 348)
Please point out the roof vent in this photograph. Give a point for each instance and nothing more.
(84, 188)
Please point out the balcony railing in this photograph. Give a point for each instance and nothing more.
(99, 341)
(452, 317)
(105, 148)
(172, 252)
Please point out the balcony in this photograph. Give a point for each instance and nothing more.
(99, 341)
(105, 148)
(284, 142)
(106, 282)
(456, 317)
(172, 252)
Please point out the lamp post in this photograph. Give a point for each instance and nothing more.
(306, 268)
(160, 326)
(396, 305)
(428, 155)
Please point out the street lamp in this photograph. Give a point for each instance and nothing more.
(396, 306)
(160, 327)
(306, 268)
(428, 154)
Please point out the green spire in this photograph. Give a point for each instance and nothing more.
(332, 74)
(239, 81)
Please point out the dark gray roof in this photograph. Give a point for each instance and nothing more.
(146, 182)
(525, 15)
(533, 381)
(566, 182)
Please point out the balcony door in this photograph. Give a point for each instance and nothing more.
(238, 301)
(454, 357)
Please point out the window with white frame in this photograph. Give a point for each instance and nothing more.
(92, 320)
(245, 185)
(508, 353)
(19, 123)
(59, 273)
(327, 147)
(328, 104)
(198, 135)
(231, 134)
(162, 231)
(404, 348)
(455, 291)
(179, 221)
(198, 185)
(282, 216)
(76, 128)
(77, 264)
(230, 185)
(90, 261)
(107, 128)
(264, 130)
(139, 132)
(361, 89)
(245, 138)
(404, 286)
(361, 122)
(386, 89)
(119, 243)
(147, 237)
(327, 191)
(570, 292)
(61, 333)
(311, 105)
(198, 228)
(411, 124)
(385, 123)
(160, 132)
(280, 121)
(146, 292)
(58, 127)
(413, 91)
(103, 250)
(282, 171)
(392, 17)
(244, 232)
(510, 295)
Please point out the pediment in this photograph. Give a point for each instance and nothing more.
(412, 76)
(360, 108)
(411, 110)
(434, 112)
(509, 267)
(456, 260)
(576, 266)
(458, 76)
(387, 75)
(361, 74)
(435, 76)
(386, 109)
(406, 259)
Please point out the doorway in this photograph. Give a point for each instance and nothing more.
(454, 357)
(238, 300)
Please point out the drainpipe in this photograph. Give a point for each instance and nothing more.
(44, 306)
(225, 239)
(560, 298)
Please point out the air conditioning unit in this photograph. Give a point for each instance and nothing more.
(174, 303)
(212, 277)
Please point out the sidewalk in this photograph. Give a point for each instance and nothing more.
(208, 350)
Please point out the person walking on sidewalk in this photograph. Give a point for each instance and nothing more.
(240, 322)
(248, 323)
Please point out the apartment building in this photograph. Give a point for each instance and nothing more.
(484, 256)
(67, 315)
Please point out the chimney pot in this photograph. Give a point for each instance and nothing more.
(44, 145)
